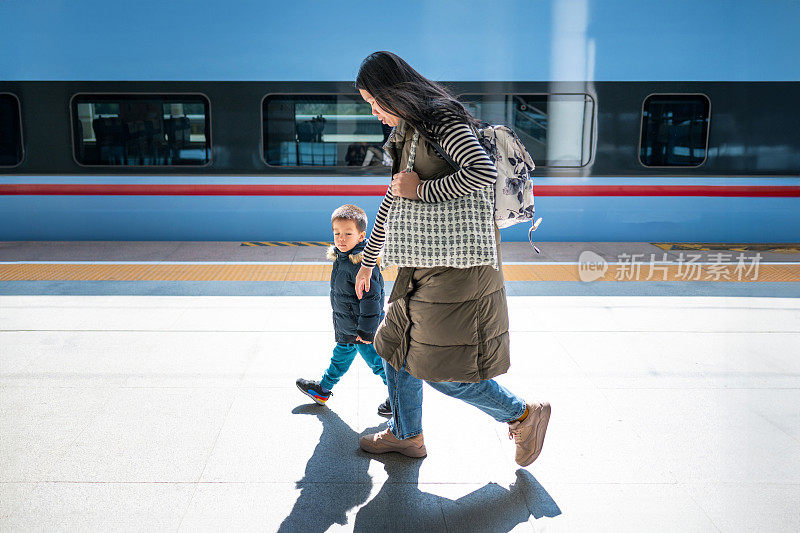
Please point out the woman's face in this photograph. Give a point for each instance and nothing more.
(386, 117)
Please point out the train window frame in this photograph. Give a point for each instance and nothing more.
(590, 143)
(641, 131)
(21, 132)
(371, 170)
(178, 168)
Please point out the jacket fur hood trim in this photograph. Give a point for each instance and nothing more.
(354, 258)
(331, 255)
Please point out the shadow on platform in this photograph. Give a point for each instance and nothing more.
(400, 505)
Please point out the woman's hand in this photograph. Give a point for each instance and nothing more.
(359, 339)
(362, 281)
(404, 184)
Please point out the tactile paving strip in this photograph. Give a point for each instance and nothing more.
(763, 272)
(777, 248)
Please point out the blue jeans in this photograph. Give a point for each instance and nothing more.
(405, 395)
(343, 355)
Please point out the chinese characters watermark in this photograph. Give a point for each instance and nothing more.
(687, 267)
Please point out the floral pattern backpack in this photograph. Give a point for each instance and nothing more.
(513, 192)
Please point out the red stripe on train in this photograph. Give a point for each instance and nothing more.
(92, 189)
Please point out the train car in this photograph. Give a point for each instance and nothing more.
(647, 122)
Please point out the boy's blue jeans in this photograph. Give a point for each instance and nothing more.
(343, 355)
(405, 395)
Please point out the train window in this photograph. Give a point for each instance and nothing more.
(674, 130)
(322, 130)
(555, 128)
(10, 131)
(141, 130)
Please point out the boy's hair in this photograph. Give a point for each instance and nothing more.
(351, 212)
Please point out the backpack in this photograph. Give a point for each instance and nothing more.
(513, 190)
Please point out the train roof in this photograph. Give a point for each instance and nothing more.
(453, 40)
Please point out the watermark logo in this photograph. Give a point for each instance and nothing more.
(686, 267)
(591, 266)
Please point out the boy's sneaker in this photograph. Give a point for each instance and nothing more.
(313, 390)
(529, 434)
(385, 409)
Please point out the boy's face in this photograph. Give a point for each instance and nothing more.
(346, 234)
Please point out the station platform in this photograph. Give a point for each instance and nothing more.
(150, 386)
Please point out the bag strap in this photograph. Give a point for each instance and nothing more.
(444, 155)
(413, 153)
(534, 227)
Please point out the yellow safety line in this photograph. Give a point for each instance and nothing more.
(260, 272)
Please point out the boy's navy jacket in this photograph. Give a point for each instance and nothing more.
(353, 317)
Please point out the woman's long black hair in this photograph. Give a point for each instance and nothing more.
(404, 92)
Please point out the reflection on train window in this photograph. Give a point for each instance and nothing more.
(10, 131)
(674, 130)
(327, 130)
(133, 130)
(555, 128)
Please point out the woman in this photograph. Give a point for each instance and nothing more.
(447, 326)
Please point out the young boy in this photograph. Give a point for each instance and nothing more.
(354, 321)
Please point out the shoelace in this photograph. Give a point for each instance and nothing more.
(515, 434)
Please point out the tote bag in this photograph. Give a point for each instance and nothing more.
(456, 233)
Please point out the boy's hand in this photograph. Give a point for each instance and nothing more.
(362, 281)
(404, 184)
(358, 338)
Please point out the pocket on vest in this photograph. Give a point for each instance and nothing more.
(438, 324)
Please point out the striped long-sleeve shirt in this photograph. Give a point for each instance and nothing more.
(476, 171)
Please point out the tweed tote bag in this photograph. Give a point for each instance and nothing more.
(456, 233)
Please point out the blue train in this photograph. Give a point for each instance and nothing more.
(217, 121)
